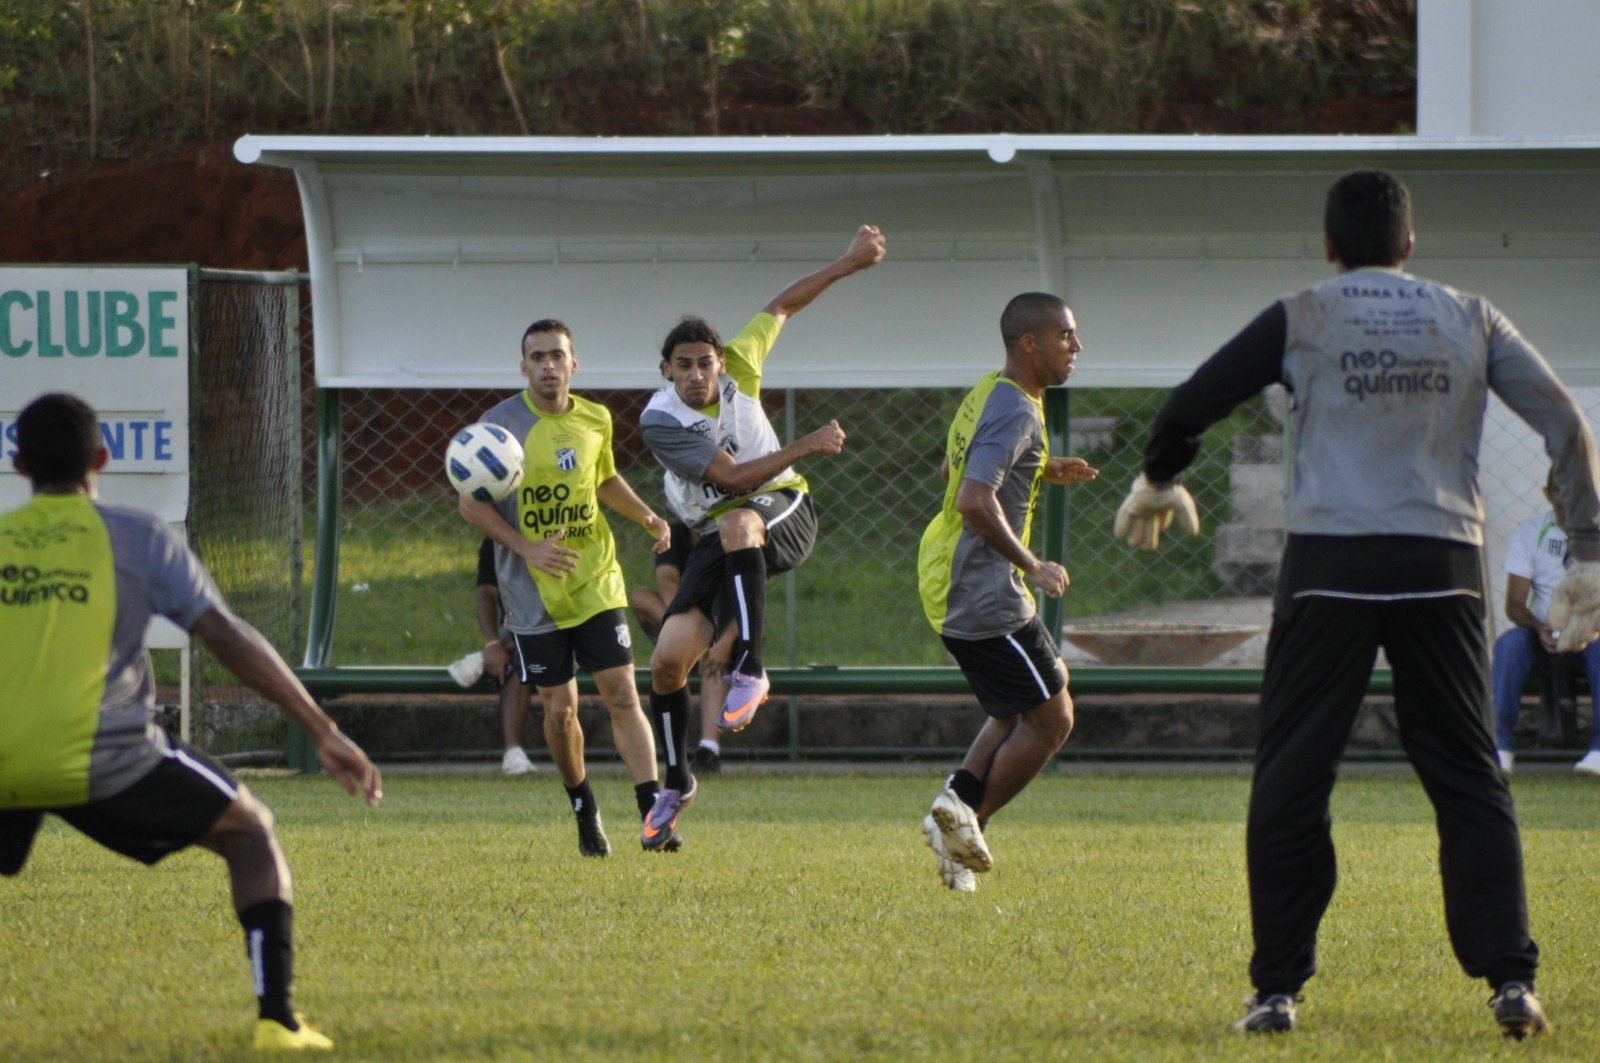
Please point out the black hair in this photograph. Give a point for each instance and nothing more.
(545, 324)
(1368, 219)
(58, 436)
(1028, 312)
(690, 330)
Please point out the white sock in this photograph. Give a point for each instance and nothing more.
(711, 744)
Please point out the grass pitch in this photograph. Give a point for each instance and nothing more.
(802, 921)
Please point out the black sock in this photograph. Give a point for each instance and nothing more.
(644, 795)
(582, 798)
(747, 595)
(1499, 977)
(671, 712)
(269, 942)
(968, 787)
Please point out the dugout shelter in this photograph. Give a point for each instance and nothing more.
(427, 253)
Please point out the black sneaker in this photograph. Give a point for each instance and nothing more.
(592, 836)
(705, 761)
(1270, 1014)
(1519, 1012)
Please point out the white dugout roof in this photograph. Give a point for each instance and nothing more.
(429, 256)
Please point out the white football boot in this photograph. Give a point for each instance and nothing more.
(951, 873)
(963, 838)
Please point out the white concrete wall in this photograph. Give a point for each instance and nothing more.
(1508, 68)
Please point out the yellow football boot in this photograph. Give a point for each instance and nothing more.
(273, 1036)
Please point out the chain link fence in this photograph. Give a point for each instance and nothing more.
(407, 559)
(246, 519)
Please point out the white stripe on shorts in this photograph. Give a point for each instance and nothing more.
(794, 504)
(1038, 680)
(1407, 596)
(522, 662)
(203, 771)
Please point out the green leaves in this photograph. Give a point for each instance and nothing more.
(180, 69)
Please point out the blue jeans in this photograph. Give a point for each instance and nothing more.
(1515, 654)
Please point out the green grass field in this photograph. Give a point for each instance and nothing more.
(802, 921)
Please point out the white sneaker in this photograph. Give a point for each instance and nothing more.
(516, 762)
(1590, 764)
(1507, 758)
(468, 670)
(951, 873)
(963, 838)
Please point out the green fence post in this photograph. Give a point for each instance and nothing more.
(791, 604)
(325, 565)
(1056, 420)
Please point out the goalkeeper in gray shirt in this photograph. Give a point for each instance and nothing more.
(1389, 375)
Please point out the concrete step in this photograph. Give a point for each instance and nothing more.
(1255, 493)
(1250, 542)
(412, 727)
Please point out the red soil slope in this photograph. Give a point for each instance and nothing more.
(204, 209)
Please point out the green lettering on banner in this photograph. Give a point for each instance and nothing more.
(75, 344)
(160, 323)
(10, 347)
(122, 313)
(48, 348)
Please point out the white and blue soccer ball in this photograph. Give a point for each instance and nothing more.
(484, 462)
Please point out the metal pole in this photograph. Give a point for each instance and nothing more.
(1056, 421)
(325, 571)
(790, 603)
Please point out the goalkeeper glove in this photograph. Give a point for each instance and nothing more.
(1149, 510)
(1575, 607)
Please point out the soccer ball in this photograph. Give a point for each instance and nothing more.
(484, 462)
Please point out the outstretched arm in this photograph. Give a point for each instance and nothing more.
(1069, 470)
(619, 495)
(737, 477)
(247, 654)
(865, 251)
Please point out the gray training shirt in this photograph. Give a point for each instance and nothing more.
(1389, 376)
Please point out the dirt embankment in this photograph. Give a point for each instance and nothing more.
(204, 208)
(200, 205)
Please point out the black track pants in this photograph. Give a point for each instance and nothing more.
(1320, 655)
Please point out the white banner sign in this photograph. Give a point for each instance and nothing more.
(118, 337)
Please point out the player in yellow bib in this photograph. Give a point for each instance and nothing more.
(562, 590)
(79, 582)
(973, 569)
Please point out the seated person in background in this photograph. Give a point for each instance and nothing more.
(496, 661)
(650, 609)
(495, 658)
(1535, 561)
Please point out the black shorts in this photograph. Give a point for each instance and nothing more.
(552, 658)
(791, 522)
(677, 555)
(487, 576)
(1012, 673)
(174, 806)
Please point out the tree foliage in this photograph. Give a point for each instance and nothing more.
(177, 71)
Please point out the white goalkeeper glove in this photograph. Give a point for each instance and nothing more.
(1149, 510)
(1575, 607)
